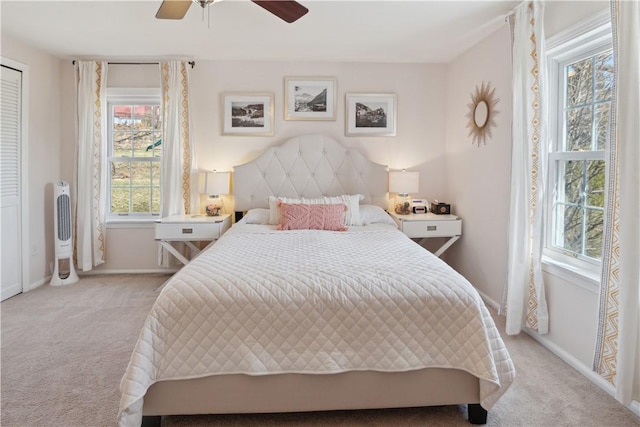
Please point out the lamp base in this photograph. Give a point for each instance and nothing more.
(212, 210)
(402, 204)
(214, 207)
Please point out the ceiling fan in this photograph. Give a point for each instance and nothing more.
(288, 11)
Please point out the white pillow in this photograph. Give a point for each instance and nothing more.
(352, 202)
(372, 214)
(255, 216)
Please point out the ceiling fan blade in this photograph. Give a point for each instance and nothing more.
(173, 9)
(288, 11)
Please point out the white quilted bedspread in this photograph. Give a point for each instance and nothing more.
(262, 301)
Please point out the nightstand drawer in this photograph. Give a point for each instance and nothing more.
(425, 229)
(194, 228)
(188, 231)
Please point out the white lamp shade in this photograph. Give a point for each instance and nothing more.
(403, 182)
(216, 183)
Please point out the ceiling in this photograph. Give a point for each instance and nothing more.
(335, 31)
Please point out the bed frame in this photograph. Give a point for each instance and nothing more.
(311, 166)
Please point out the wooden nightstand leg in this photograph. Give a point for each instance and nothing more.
(444, 247)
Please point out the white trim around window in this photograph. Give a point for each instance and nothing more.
(139, 96)
(574, 44)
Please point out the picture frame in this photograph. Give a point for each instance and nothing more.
(370, 114)
(310, 98)
(247, 113)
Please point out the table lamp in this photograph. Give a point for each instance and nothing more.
(403, 183)
(215, 185)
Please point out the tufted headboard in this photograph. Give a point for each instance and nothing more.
(308, 166)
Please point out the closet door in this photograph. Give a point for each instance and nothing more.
(10, 180)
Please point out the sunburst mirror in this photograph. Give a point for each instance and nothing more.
(481, 113)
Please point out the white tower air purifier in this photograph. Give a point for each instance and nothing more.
(64, 272)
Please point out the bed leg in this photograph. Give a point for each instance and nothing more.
(151, 420)
(477, 414)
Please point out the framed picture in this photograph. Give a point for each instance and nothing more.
(247, 114)
(309, 98)
(371, 114)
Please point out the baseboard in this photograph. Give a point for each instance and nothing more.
(491, 303)
(569, 359)
(148, 271)
(37, 284)
(580, 367)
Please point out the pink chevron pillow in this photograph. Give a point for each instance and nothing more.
(312, 217)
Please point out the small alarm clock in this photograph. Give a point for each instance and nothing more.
(419, 206)
(440, 208)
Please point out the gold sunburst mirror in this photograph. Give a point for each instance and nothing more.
(481, 113)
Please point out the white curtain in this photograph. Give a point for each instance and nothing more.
(618, 346)
(179, 176)
(91, 176)
(524, 301)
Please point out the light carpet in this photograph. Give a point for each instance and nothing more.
(65, 349)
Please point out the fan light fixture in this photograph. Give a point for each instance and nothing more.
(288, 11)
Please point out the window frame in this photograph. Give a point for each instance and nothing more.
(137, 96)
(582, 41)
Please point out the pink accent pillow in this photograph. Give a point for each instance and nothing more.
(312, 217)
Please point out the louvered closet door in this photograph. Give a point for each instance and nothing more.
(10, 139)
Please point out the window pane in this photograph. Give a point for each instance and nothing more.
(571, 178)
(595, 183)
(155, 202)
(579, 82)
(594, 225)
(157, 127)
(122, 119)
(141, 200)
(122, 143)
(154, 148)
(143, 142)
(120, 199)
(604, 76)
(141, 174)
(143, 117)
(120, 182)
(571, 239)
(120, 174)
(157, 117)
(603, 112)
(579, 129)
(155, 174)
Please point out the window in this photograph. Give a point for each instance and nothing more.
(134, 153)
(581, 88)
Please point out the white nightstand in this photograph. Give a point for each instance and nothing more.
(189, 229)
(425, 226)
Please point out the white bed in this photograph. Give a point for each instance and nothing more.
(272, 321)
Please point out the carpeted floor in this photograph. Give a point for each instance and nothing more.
(64, 350)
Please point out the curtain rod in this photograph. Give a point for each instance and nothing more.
(192, 63)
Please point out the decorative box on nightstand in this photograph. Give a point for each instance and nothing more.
(425, 226)
(189, 229)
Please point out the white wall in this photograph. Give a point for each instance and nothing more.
(478, 176)
(44, 142)
(419, 144)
